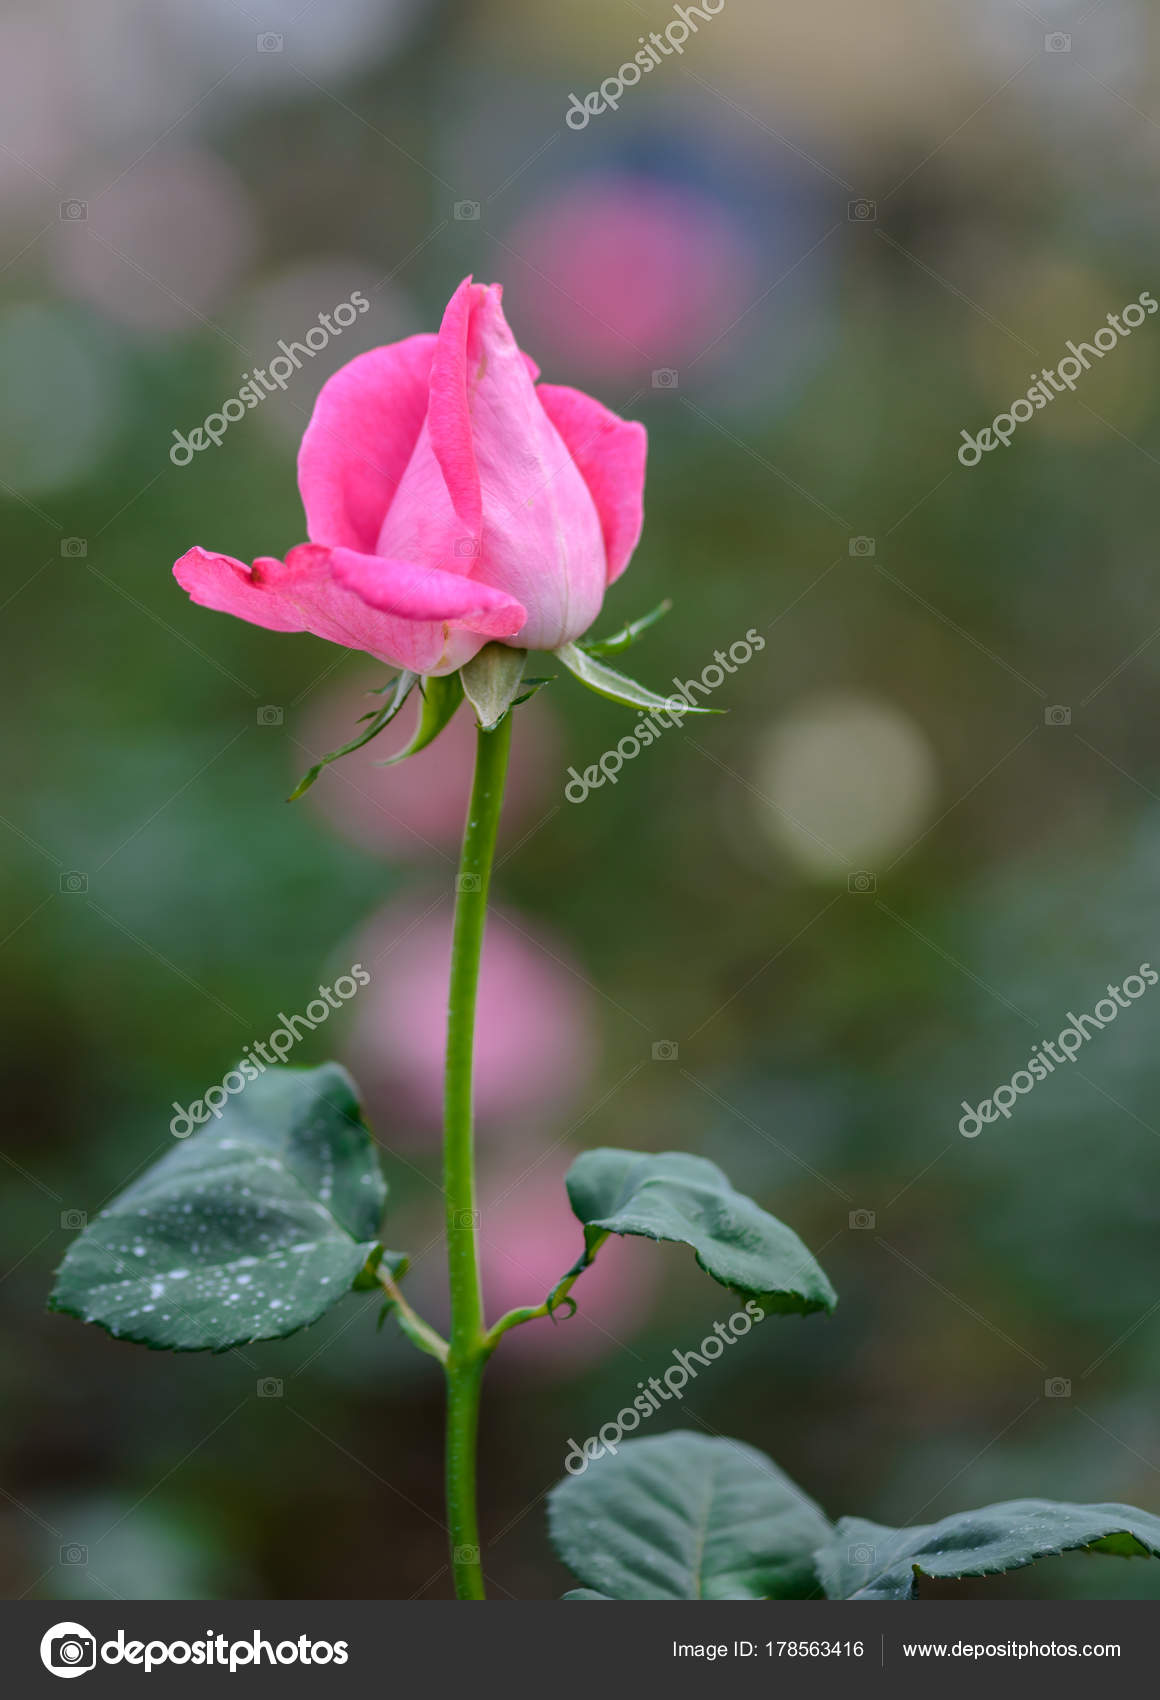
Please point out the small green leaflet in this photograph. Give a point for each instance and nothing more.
(627, 635)
(607, 683)
(251, 1229)
(670, 1195)
(685, 1517)
(864, 1561)
(400, 690)
(441, 697)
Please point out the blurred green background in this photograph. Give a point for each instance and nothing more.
(807, 253)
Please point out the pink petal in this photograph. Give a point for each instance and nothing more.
(455, 369)
(417, 593)
(301, 595)
(360, 438)
(610, 453)
(230, 587)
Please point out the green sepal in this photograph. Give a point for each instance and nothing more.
(608, 683)
(441, 695)
(491, 681)
(627, 635)
(377, 719)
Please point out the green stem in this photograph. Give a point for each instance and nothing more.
(468, 1346)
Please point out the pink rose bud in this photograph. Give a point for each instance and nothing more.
(450, 501)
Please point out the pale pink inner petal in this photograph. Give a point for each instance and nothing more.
(610, 454)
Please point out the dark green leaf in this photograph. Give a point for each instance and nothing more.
(627, 635)
(686, 1517)
(864, 1561)
(491, 681)
(607, 683)
(400, 689)
(441, 697)
(251, 1229)
(669, 1195)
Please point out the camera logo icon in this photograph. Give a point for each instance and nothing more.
(74, 884)
(74, 548)
(466, 211)
(269, 1387)
(67, 1649)
(665, 1050)
(666, 378)
(1057, 42)
(268, 715)
(269, 43)
(1057, 1387)
(862, 211)
(862, 883)
(72, 1221)
(74, 1554)
(863, 547)
(1057, 715)
(465, 546)
(72, 211)
(861, 1554)
(466, 1219)
(468, 882)
(466, 1555)
(863, 1219)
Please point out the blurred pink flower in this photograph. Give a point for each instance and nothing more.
(415, 810)
(162, 246)
(623, 272)
(449, 501)
(534, 1040)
